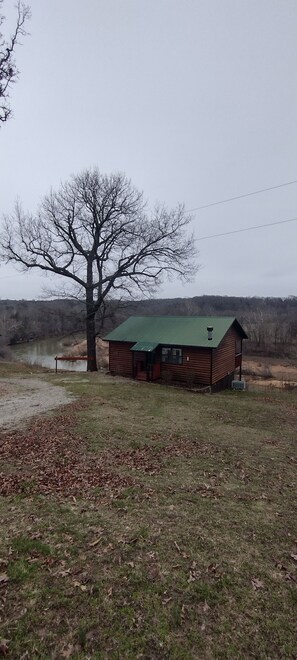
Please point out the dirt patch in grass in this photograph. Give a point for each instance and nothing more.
(24, 398)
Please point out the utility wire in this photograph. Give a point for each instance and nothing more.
(238, 231)
(224, 201)
(231, 199)
(204, 238)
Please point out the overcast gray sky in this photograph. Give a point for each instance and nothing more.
(195, 100)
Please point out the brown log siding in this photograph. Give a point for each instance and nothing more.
(196, 369)
(121, 358)
(204, 365)
(224, 356)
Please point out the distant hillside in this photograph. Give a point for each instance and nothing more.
(24, 320)
(271, 323)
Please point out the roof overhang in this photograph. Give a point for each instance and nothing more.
(239, 329)
(146, 346)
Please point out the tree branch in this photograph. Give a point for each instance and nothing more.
(96, 232)
(8, 70)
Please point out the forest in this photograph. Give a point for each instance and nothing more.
(271, 323)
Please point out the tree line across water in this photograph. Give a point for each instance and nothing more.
(271, 323)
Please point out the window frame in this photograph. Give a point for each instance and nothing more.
(169, 357)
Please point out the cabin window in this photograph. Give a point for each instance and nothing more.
(172, 355)
(238, 346)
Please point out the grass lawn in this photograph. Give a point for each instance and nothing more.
(144, 521)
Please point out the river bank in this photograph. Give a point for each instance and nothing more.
(43, 352)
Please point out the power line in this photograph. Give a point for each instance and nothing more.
(238, 231)
(225, 233)
(231, 199)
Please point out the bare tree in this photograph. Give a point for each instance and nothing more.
(96, 232)
(8, 70)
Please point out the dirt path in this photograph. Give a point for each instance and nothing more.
(23, 398)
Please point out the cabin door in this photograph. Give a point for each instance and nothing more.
(140, 366)
(146, 365)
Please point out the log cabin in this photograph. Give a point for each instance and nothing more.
(196, 350)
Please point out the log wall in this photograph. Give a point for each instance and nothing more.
(195, 367)
(203, 366)
(121, 358)
(223, 361)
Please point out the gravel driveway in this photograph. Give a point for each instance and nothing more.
(23, 398)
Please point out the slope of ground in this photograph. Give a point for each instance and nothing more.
(147, 522)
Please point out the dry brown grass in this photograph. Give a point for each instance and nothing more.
(173, 535)
(80, 348)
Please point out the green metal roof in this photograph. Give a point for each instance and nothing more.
(175, 330)
(146, 346)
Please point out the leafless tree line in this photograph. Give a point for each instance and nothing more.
(271, 324)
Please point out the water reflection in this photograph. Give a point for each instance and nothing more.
(44, 351)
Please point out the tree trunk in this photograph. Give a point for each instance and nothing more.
(91, 341)
(90, 320)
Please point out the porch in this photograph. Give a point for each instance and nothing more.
(146, 361)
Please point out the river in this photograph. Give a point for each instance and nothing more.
(44, 351)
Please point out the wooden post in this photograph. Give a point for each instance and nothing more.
(56, 364)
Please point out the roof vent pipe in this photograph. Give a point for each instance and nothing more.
(209, 332)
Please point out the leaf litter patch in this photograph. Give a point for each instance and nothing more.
(49, 457)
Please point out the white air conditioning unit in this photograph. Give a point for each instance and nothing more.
(238, 385)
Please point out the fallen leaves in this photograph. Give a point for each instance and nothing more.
(287, 575)
(49, 457)
(257, 584)
(177, 547)
(181, 552)
(68, 652)
(194, 574)
(4, 647)
(96, 542)
(79, 585)
(153, 572)
(290, 577)
(212, 568)
(3, 578)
